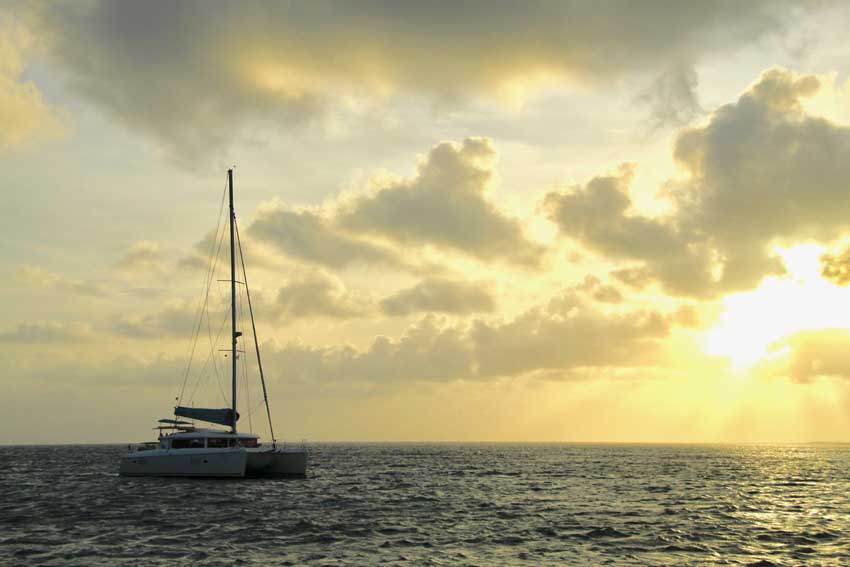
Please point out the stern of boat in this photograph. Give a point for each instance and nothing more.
(277, 462)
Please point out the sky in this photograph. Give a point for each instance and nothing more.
(462, 221)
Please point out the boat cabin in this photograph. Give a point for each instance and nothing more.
(191, 438)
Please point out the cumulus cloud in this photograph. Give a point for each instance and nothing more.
(43, 278)
(307, 235)
(440, 295)
(760, 172)
(175, 71)
(566, 334)
(23, 112)
(426, 352)
(555, 338)
(598, 216)
(444, 205)
(215, 247)
(316, 294)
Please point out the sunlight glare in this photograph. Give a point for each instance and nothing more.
(753, 321)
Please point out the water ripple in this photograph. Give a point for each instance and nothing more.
(418, 504)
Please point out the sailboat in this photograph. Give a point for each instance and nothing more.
(185, 449)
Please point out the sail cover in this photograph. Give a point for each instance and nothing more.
(223, 416)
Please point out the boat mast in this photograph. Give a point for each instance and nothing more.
(232, 301)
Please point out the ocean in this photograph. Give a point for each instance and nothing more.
(439, 504)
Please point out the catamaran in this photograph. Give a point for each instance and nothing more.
(185, 449)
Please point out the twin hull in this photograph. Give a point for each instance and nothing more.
(218, 463)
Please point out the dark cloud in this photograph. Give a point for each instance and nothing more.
(440, 295)
(179, 71)
(444, 205)
(760, 172)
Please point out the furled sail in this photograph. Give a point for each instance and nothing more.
(223, 416)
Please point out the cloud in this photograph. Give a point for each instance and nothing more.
(758, 173)
(444, 205)
(23, 112)
(836, 267)
(307, 235)
(426, 352)
(565, 335)
(562, 338)
(316, 294)
(52, 331)
(688, 316)
(74, 371)
(672, 97)
(810, 354)
(143, 257)
(599, 291)
(307, 294)
(41, 277)
(598, 216)
(175, 72)
(440, 295)
(178, 319)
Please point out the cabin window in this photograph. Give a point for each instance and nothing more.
(217, 442)
(249, 442)
(187, 443)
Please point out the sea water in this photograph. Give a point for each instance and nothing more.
(439, 504)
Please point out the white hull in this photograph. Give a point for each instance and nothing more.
(215, 463)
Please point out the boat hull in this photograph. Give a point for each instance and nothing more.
(277, 462)
(186, 462)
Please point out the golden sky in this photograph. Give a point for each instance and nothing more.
(506, 221)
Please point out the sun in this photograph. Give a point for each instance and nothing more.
(752, 322)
